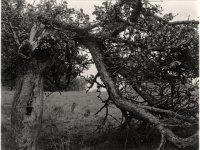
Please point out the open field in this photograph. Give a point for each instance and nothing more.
(69, 121)
(70, 124)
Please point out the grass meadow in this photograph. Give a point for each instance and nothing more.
(70, 123)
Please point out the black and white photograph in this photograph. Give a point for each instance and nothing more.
(99, 75)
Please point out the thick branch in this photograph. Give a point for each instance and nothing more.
(53, 24)
(168, 113)
(183, 22)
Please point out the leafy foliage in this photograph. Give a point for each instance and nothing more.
(58, 46)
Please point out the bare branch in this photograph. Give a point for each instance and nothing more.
(104, 106)
(105, 118)
(92, 83)
(183, 22)
(162, 142)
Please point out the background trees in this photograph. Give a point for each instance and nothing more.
(147, 63)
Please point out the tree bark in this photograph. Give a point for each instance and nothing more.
(26, 128)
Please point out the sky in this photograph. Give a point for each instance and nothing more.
(186, 9)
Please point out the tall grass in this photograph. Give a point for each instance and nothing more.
(68, 120)
(69, 123)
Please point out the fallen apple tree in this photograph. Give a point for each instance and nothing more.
(134, 50)
(95, 42)
(138, 111)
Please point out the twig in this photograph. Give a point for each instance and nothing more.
(48, 94)
(105, 105)
(114, 118)
(93, 81)
(104, 101)
(99, 96)
(99, 84)
(104, 120)
(162, 142)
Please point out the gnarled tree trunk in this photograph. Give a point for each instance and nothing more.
(26, 125)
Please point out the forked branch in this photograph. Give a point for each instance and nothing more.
(94, 80)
